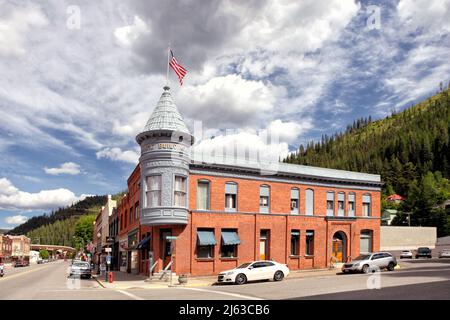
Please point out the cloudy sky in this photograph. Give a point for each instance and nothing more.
(79, 80)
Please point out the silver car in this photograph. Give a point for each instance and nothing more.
(406, 254)
(81, 269)
(371, 262)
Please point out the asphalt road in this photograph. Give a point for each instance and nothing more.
(418, 279)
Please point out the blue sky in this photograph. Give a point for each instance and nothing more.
(80, 79)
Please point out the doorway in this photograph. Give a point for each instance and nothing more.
(264, 245)
(339, 249)
(166, 246)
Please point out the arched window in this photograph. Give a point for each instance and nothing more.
(203, 195)
(351, 204)
(341, 204)
(309, 199)
(264, 199)
(330, 203)
(365, 242)
(366, 205)
(295, 200)
(231, 196)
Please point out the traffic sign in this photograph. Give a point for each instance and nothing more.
(108, 249)
(171, 238)
(108, 259)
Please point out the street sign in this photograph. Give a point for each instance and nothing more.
(108, 249)
(171, 238)
(108, 259)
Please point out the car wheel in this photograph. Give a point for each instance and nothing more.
(240, 279)
(278, 276)
(391, 266)
(365, 268)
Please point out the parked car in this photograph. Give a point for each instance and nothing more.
(80, 268)
(21, 263)
(445, 253)
(40, 261)
(371, 262)
(406, 254)
(423, 252)
(256, 270)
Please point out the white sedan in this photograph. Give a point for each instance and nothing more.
(256, 270)
(406, 254)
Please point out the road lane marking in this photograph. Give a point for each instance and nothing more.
(6, 276)
(130, 295)
(236, 295)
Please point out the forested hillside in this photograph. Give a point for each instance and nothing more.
(410, 150)
(90, 205)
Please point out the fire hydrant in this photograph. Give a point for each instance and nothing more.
(110, 277)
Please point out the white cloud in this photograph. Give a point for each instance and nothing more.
(127, 35)
(243, 145)
(13, 198)
(65, 168)
(6, 187)
(116, 154)
(431, 15)
(238, 101)
(288, 131)
(18, 219)
(15, 28)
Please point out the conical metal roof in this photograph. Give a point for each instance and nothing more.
(166, 115)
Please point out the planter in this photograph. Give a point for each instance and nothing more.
(182, 279)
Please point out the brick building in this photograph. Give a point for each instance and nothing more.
(5, 249)
(226, 211)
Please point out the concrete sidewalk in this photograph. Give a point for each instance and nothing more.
(124, 280)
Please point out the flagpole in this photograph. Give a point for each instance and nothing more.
(167, 74)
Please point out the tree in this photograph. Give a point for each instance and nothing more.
(44, 254)
(84, 229)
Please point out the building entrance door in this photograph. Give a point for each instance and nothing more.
(339, 247)
(166, 246)
(264, 245)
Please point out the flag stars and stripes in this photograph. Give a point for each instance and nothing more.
(178, 68)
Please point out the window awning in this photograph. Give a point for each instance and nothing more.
(230, 238)
(144, 243)
(206, 238)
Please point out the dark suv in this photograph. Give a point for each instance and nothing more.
(424, 252)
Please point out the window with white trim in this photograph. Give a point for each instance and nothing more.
(231, 196)
(153, 192)
(309, 199)
(203, 195)
(366, 205)
(179, 192)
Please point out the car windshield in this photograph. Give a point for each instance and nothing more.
(81, 264)
(244, 265)
(406, 251)
(423, 249)
(362, 257)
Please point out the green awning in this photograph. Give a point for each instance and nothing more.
(206, 238)
(230, 238)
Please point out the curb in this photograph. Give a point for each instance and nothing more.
(98, 281)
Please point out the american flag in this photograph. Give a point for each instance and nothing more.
(178, 68)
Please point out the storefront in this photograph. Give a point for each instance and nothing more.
(123, 253)
(133, 253)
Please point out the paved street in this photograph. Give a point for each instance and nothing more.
(417, 279)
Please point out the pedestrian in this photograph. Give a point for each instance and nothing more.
(2, 270)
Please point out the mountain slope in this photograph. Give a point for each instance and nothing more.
(411, 151)
(401, 147)
(90, 205)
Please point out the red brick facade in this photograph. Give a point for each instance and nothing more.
(248, 223)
